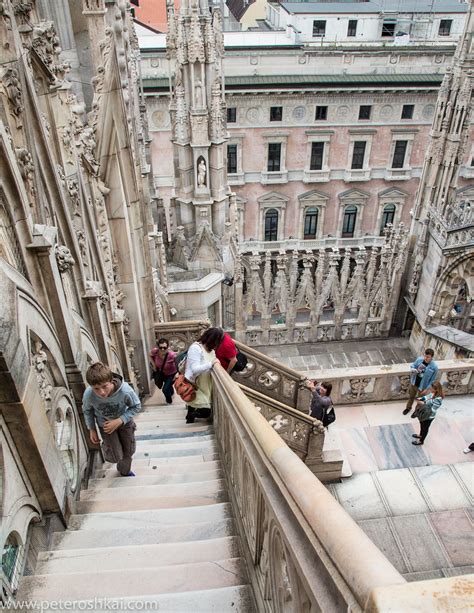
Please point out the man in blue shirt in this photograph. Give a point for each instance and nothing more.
(423, 372)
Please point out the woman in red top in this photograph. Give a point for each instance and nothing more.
(164, 361)
(226, 352)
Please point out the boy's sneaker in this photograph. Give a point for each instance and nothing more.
(467, 450)
(131, 474)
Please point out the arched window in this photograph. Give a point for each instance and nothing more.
(11, 549)
(310, 223)
(349, 221)
(271, 225)
(388, 216)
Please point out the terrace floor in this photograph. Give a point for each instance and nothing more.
(341, 354)
(414, 502)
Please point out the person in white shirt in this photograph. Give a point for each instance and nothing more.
(200, 360)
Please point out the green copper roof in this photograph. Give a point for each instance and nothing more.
(274, 82)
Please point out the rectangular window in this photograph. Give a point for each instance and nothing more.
(407, 111)
(231, 114)
(321, 113)
(358, 154)
(352, 27)
(349, 221)
(365, 111)
(319, 28)
(274, 156)
(231, 159)
(399, 154)
(388, 29)
(317, 153)
(310, 224)
(276, 113)
(445, 27)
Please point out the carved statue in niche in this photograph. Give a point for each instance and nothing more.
(39, 360)
(201, 173)
(198, 99)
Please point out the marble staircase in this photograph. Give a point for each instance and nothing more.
(164, 539)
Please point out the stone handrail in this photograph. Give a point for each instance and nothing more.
(302, 433)
(304, 552)
(383, 383)
(271, 378)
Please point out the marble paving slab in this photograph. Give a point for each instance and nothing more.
(456, 532)
(380, 533)
(388, 413)
(445, 443)
(352, 416)
(465, 472)
(442, 488)
(420, 544)
(401, 492)
(458, 570)
(357, 450)
(392, 447)
(424, 576)
(360, 497)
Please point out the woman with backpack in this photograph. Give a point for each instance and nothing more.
(426, 410)
(200, 359)
(321, 404)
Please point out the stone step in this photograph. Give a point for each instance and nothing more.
(163, 466)
(235, 599)
(145, 535)
(149, 461)
(154, 502)
(134, 582)
(154, 491)
(173, 439)
(159, 478)
(136, 556)
(172, 451)
(187, 429)
(121, 520)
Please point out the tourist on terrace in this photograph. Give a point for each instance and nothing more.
(321, 403)
(226, 352)
(199, 362)
(164, 368)
(423, 372)
(427, 407)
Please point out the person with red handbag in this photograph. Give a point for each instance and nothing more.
(200, 360)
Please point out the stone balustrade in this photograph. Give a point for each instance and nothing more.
(304, 552)
(302, 433)
(271, 378)
(382, 383)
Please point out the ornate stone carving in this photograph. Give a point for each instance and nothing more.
(39, 360)
(12, 88)
(64, 258)
(195, 41)
(27, 170)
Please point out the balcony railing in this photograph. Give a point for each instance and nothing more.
(291, 244)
